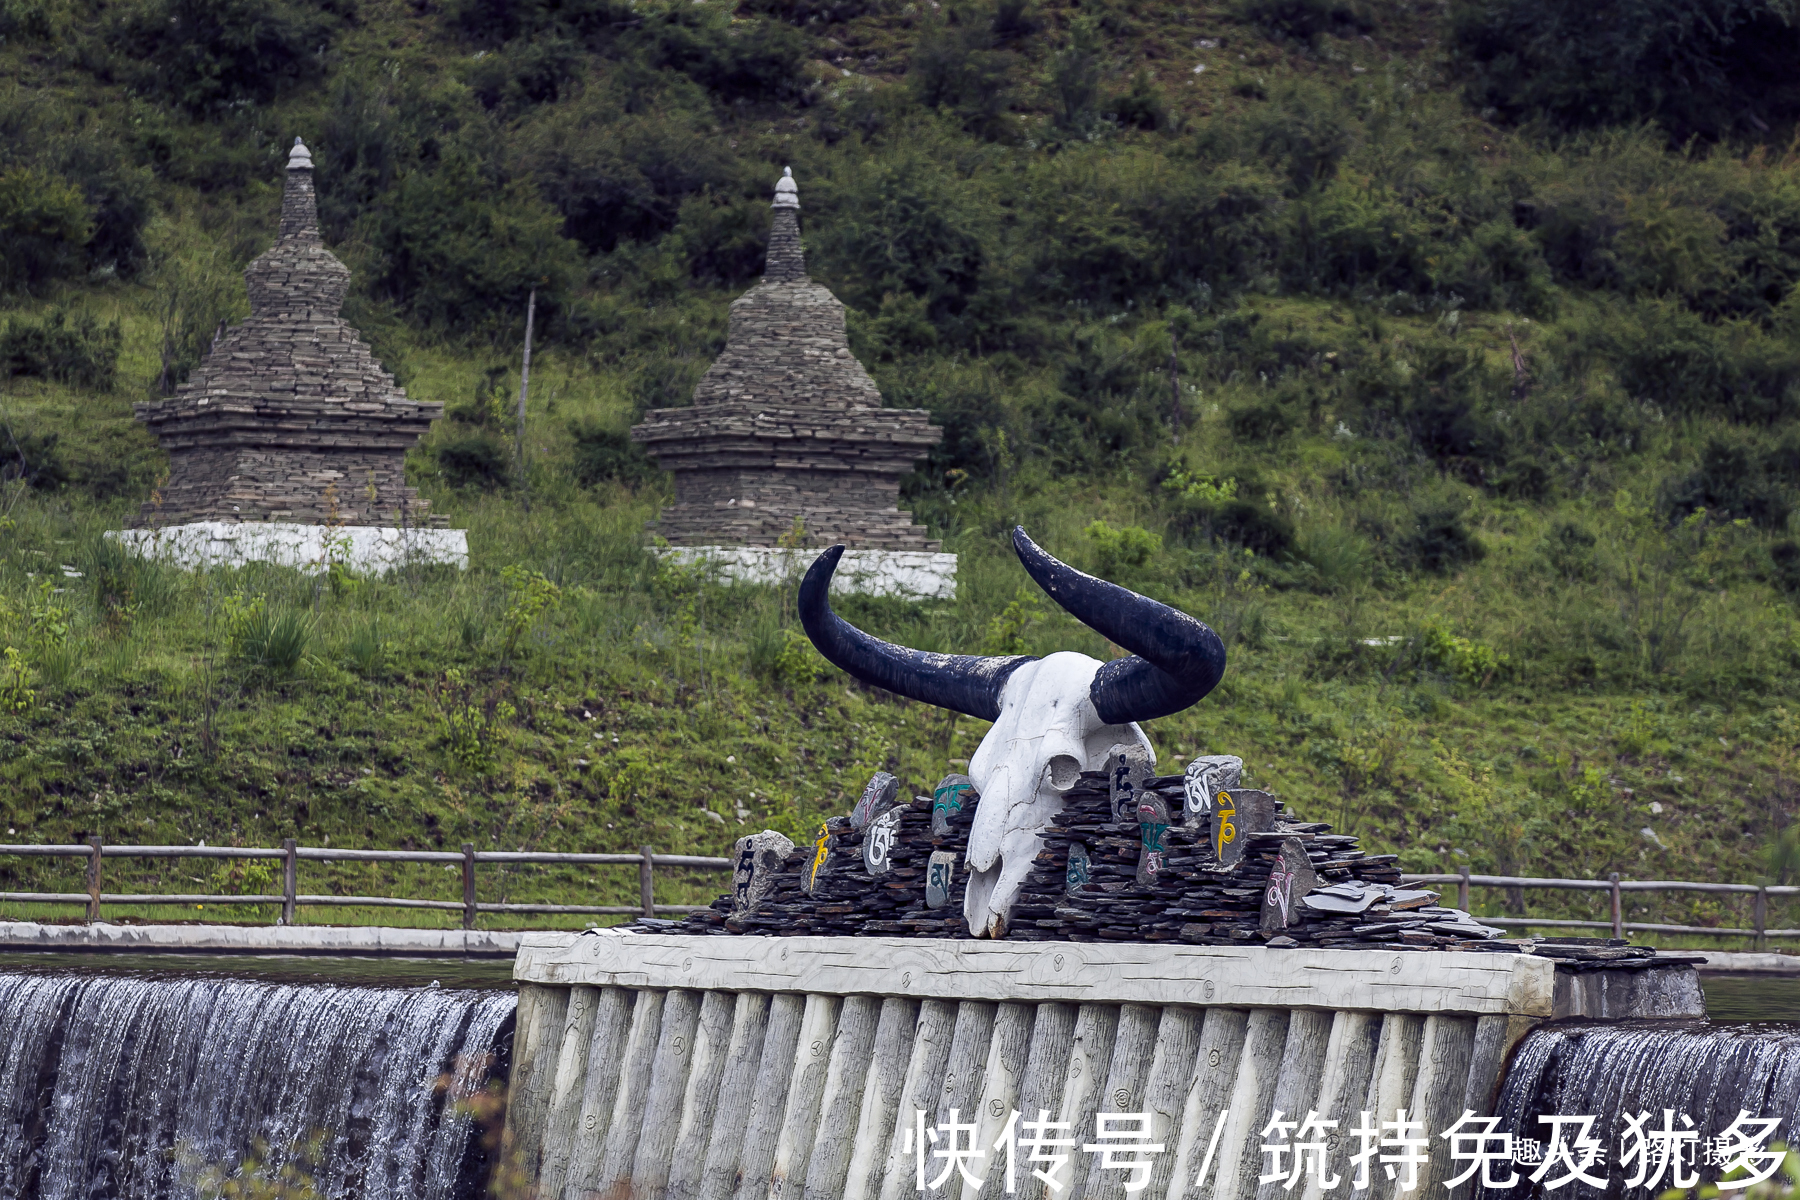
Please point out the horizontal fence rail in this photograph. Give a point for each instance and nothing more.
(1617, 888)
(290, 854)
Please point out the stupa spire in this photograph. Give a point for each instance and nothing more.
(786, 262)
(298, 275)
(299, 206)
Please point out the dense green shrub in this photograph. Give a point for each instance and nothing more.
(1712, 68)
(1438, 541)
(1305, 20)
(206, 55)
(45, 224)
(473, 458)
(604, 453)
(32, 457)
(1731, 480)
(77, 350)
(460, 252)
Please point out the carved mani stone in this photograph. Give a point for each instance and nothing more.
(819, 863)
(879, 838)
(1207, 775)
(757, 861)
(1081, 868)
(947, 799)
(1131, 773)
(940, 874)
(877, 796)
(1290, 878)
(1236, 813)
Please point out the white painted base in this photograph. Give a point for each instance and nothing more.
(370, 550)
(908, 574)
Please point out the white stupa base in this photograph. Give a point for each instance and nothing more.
(365, 549)
(908, 574)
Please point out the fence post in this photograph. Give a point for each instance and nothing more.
(647, 882)
(1618, 909)
(468, 885)
(290, 878)
(93, 880)
(1762, 916)
(1462, 890)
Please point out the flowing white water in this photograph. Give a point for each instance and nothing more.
(109, 1084)
(1708, 1072)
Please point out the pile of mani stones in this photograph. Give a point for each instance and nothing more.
(1132, 856)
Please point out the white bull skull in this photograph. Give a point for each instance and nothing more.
(1053, 717)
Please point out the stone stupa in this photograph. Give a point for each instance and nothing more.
(787, 445)
(289, 434)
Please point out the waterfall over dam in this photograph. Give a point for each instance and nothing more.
(1707, 1073)
(123, 1086)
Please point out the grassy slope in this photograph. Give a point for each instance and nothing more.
(646, 702)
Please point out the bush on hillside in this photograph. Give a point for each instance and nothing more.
(460, 253)
(1305, 20)
(76, 350)
(1706, 68)
(45, 224)
(605, 454)
(32, 457)
(1438, 541)
(1731, 480)
(473, 458)
(207, 55)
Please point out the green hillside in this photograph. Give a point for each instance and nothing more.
(1445, 359)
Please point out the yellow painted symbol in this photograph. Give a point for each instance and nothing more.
(1227, 832)
(821, 851)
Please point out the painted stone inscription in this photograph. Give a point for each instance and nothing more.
(1289, 880)
(878, 841)
(1080, 870)
(877, 797)
(819, 863)
(947, 799)
(1206, 776)
(1236, 813)
(1128, 767)
(940, 873)
(1152, 861)
(756, 861)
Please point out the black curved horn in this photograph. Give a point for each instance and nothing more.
(968, 683)
(1175, 660)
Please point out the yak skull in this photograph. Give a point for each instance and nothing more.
(1053, 717)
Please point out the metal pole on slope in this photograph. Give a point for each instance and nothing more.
(647, 882)
(1618, 913)
(290, 878)
(93, 880)
(524, 387)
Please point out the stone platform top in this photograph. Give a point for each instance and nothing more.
(1430, 981)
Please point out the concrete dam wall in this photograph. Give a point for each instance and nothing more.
(651, 1065)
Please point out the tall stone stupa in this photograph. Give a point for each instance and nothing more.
(289, 434)
(787, 444)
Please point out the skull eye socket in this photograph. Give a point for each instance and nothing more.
(1064, 770)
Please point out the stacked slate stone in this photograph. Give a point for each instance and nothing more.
(1191, 897)
(1197, 900)
(846, 898)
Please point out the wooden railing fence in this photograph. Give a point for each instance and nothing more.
(291, 899)
(291, 855)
